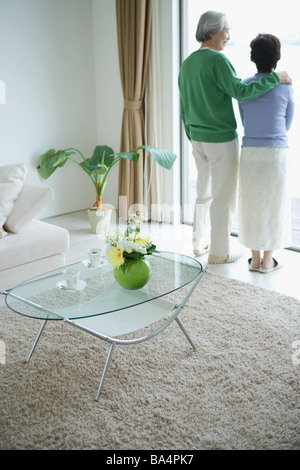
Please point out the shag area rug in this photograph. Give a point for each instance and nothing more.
(239, 390)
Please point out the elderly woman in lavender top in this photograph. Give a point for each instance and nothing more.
(264, 199)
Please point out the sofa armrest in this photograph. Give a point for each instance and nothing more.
(31, 200)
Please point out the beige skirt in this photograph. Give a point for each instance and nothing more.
(264, 198)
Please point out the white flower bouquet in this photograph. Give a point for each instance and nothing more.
(130, 244)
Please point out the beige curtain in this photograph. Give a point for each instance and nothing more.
(134, 18)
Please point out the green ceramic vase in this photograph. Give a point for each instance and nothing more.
(137, 274)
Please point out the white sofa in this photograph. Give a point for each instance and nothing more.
(28, 247)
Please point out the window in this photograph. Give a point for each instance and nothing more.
(246, 21)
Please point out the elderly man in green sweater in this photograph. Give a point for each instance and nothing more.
(207, 84)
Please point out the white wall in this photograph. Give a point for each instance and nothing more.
(109, 97)
(47, 63)
(59, 60)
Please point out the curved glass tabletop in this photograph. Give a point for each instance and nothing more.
(41, 297)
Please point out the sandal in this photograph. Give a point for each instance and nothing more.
(276, 266)
(231, 258)
(251, 268)
(201, 251)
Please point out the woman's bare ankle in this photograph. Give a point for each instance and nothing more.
(268, 261)
(255, 263)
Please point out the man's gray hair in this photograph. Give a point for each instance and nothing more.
(210, 22)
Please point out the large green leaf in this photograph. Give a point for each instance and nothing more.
(164, 158)
(89, 167)
(51, 160)
(103, 155)
(45, 172)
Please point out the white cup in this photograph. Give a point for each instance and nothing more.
(95, 256)
(72, 276)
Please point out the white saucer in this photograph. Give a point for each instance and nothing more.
(86, 263)
(62, 285)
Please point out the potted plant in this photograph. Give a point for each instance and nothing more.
(98, 167)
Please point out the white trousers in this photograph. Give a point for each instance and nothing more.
(217, 166)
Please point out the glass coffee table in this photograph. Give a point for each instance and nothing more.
(104, 309)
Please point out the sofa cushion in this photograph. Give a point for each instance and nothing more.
(11, 182)
(31, 200)
(37, 240)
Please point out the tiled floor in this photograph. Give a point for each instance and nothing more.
(178, 238)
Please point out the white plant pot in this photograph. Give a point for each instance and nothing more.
(99, 219)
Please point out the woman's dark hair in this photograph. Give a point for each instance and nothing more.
(265, 52)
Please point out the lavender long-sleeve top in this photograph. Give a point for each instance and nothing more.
(267, 119)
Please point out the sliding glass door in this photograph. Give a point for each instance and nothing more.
(246, 21)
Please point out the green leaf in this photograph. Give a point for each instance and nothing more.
(123, 267)
(132, 255)
(45, 172)
(89, 167)
(128, 230)
(163, 157)
(151, 249)
(132, 155)
(103, 155)
(51, 160)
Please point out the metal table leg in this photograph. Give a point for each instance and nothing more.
(105, 369)
(185, 332)
(36, 339)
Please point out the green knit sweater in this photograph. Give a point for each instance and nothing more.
(207, 83)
